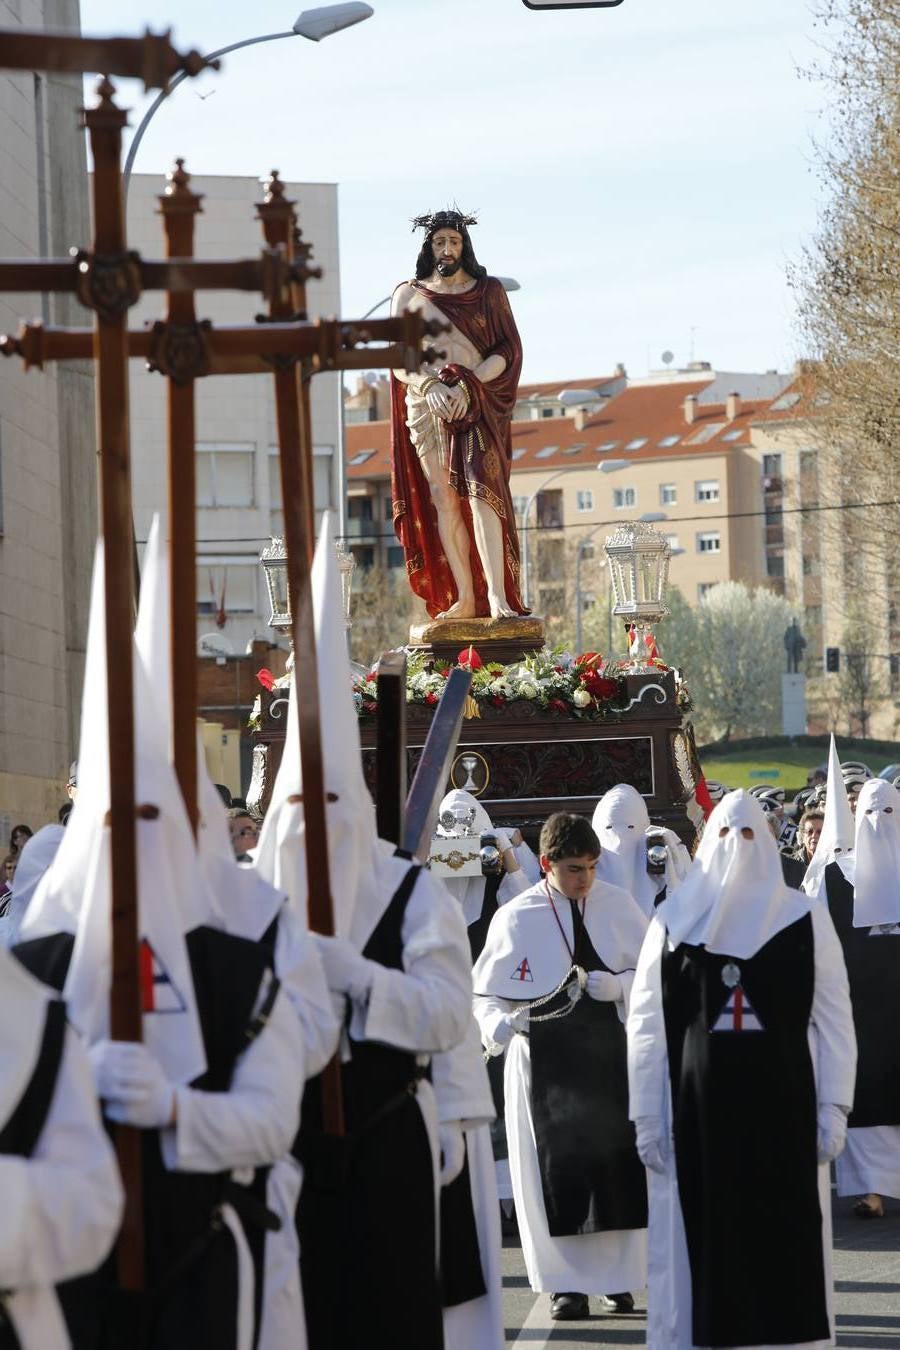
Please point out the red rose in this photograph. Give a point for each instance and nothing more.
(266, 678)
(469, 657)
(431, 697)
(599, 685)
(498, 700)
(557, 705)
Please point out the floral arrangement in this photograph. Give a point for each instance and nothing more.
(582, 686)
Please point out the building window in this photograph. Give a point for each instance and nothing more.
(587, 552)
(813, 616)
(584, 499)
(549, 412)
(227, 585)
(636, 444)
(388, 509)
(704, 589)
(359, 508)
(360, 457)
(321, 484)
(225, 475)
(707, 490)
(771, 466)
(673, 542)
(774, 564)
(588, 600)
(667, 441)
(709, 543)
(365, 556)
(668, 494)
(624, 497)
(395, 556)
(519, 504)
(551, 560)
(550, 509)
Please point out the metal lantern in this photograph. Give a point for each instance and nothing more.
(274, 561)
(639, 571)
(346, 563)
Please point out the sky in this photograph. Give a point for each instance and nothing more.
(647, 173)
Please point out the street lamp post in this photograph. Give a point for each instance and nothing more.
(313, 24)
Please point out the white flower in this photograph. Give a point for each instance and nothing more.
(581, 698)
(527, 690)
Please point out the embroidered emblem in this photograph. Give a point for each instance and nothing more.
(158, 993)
(731, 975)
(737, 1015)
(523, 972)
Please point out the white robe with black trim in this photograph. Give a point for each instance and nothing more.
(525, 930)
(833, 1049)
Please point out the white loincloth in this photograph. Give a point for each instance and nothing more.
(592, 1263)
(870, 1163)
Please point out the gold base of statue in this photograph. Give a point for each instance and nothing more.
(503, 640)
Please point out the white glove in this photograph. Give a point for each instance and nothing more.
(831, 1135)
(346, 971)
(603, 986)
(506, 1027)
(502, 838)
(132, 1084)
(652, 1142)
(453, 1150)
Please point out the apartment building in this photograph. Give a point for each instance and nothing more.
(674, 448)
(48, 512)
(238, 484)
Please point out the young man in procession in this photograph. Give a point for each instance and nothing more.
(213, 1084)
(552, 984)
(398, 969)
(862, 891)
(741, 1068)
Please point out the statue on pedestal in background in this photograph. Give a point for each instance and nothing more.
(450, 434)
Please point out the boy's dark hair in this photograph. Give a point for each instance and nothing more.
(238, 812)
(568, 836)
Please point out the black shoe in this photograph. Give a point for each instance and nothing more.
(569, 1307)
(509, 1225)
(617, 1303)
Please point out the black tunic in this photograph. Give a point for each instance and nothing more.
(745, 1139)
(23, 1128)
(591, 1176)
(873, 970)
(191, 1263)
(366, 1218)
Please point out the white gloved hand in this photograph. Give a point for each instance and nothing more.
(831, 1134)
(453, 1150)
(132, 1084)
(502, 838)
(346, 971)
(506, 1027)
(603, 986)
(652, 1142)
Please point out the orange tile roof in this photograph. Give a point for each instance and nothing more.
(651, 413)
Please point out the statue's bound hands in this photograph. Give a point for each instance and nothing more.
(446, 401)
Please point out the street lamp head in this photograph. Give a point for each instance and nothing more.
(650, 517)
(320, 23)
(578, 398)
(613, 465)
(509, 283)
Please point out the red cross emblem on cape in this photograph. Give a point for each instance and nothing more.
(522, 971)
(158, 993)
(737, 1015)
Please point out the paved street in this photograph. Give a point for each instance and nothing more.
(867, 1292)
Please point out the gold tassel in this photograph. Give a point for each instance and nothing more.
(470, 708)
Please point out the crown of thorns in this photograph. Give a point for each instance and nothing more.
(443, 220)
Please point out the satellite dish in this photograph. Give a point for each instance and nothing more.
(667, 358)
(215, 644)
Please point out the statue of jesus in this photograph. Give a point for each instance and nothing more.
(450, 433)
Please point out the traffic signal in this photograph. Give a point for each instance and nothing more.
(832, 660)
(571, 4)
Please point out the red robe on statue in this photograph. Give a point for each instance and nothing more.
(479, 452)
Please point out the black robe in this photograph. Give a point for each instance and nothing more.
(873, 970)
(744, 1105)
(366, 1218)
(191, 1262)
(591, 1176)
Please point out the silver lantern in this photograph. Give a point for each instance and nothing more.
(639, 571)
(274, 561)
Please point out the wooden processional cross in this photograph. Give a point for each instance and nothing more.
(109, 279)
